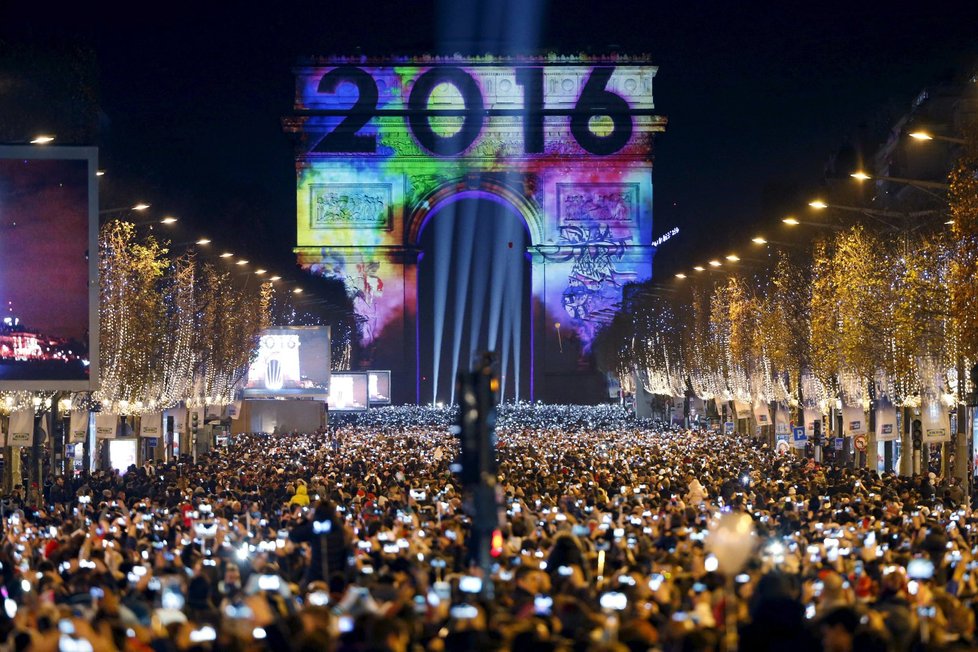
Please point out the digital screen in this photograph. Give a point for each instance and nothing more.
(290, 361)
(348, 392)
(122, 454)
(379, 386)
(48, 282)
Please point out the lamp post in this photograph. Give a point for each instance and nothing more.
(926, 135)
(141, 206)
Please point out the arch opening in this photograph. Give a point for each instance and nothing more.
(473, 294)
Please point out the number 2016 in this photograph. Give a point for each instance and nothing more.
(594, 100)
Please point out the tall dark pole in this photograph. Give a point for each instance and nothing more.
(476, 466)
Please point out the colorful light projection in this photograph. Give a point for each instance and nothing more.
(564, 141)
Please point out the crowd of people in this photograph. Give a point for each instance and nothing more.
(360, 538)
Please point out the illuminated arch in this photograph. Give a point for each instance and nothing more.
(488, 189)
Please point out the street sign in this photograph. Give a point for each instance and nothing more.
(798, 434)
(728, 427)
(152, 442)
(837, 444)
(859, 441)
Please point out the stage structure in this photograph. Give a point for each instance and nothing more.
(563, 142)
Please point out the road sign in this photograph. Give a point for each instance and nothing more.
(837, 444)
(798, 434)
(859, 441)
(728, 427)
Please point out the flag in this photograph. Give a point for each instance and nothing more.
(105, 425)
(762, 414)
(150, 424)
(78, 427)
(21, 431)
(742, 409)
(853, 420)
(781, 421)
(811, 416)
(935, 421)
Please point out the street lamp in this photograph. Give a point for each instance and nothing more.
(733, 258)
(917, 183)
(226, 254)
(790, 221)
(137, 207)
(680, 276)
(758, 240)
(203, 241)
(42, 140)
(818, 204)
(169, 219)
(715, 263)
(926, 135)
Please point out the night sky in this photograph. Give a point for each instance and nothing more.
(759, 96)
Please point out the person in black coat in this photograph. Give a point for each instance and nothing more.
(326, 536)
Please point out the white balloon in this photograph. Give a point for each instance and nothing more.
(731, 540)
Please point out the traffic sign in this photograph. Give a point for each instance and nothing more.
(837, 444)
(859, 441)
(728, 427)
(798, 434)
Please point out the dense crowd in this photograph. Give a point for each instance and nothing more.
(357, 538)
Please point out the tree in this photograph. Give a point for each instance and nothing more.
(132, 335)
(229, 320)
(963, 271)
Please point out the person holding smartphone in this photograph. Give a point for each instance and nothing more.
(325, 534)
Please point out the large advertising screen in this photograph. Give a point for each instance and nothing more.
(348, 392)
(379, 387)
(48, 280)
(290, 361)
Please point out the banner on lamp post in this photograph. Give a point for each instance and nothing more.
(179, 415)
(151, 425)
(742, 409)
(886, 424)
(811, 416)
(781, 421)
(886, 418)
(21, 429)
(762, 414)
(853, 420)
(105, 425)
(935, 422)
(78, 427)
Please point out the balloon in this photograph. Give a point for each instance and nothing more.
(731, 540)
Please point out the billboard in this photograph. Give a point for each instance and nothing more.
(291, 361)
(348, 392)
(48, 281)
(379, 387)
